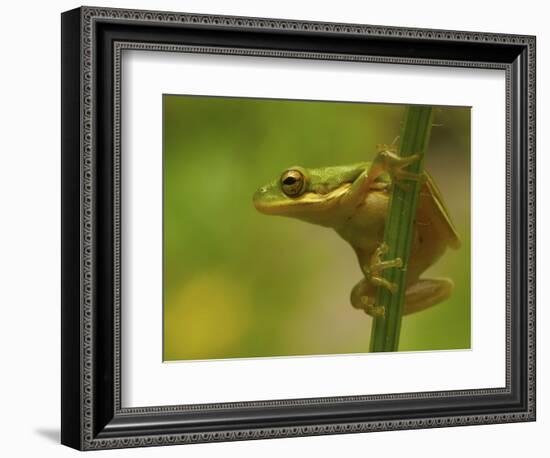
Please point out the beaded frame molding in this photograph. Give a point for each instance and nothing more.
(92, 42)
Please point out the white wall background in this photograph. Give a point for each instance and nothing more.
(30, 215)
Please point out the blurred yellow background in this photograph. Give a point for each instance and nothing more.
(241, 284)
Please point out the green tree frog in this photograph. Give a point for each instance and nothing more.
(353, 201)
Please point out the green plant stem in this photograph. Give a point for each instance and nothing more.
(399, 229)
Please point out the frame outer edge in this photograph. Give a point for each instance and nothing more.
(71, 325)
(87, 200)
(531, 229)
(296, 25)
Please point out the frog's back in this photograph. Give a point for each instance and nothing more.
(432, 209)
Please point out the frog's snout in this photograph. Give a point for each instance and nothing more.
(260, 194)
(259, 198)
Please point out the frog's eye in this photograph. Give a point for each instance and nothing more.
(293, 183)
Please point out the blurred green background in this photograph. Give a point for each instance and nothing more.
(238, 283)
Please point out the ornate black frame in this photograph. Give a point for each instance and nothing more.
(92, 42)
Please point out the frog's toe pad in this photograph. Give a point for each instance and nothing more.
(376, 311)
(370, 308)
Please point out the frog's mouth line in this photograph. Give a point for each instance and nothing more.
(305, 201)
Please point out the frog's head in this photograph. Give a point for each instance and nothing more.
(312, 195)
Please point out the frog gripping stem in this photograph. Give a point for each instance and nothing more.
(406, 165)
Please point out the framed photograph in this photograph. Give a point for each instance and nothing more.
(276, 228)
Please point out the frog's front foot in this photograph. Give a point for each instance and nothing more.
(362, 295)
(387, 161)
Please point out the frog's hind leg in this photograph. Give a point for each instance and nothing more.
(363, 298)
(426, 293)
(422, 295)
